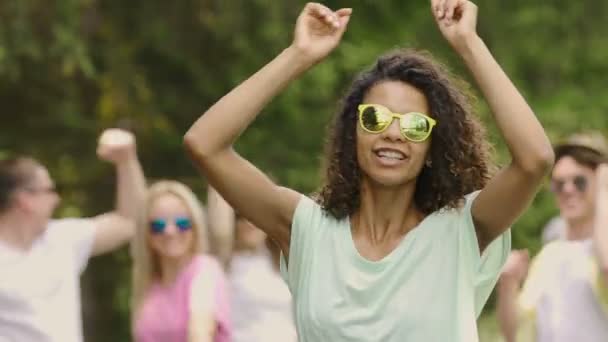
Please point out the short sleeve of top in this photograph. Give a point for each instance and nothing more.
(77, 235)
(306, 221)
(485, 267)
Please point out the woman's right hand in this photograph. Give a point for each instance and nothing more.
(319, 30)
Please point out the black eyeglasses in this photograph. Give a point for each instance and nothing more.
(579, 182)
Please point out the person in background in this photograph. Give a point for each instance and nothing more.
(256, 287)
(179, 292)
(563, 298)
(41, 259)
(555, 229)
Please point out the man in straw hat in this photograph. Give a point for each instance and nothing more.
(564, 292)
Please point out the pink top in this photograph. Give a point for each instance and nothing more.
(165, 312)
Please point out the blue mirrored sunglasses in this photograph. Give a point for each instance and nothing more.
(158, 226)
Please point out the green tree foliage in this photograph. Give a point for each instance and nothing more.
(69, 68)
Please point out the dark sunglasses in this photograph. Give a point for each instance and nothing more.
(158, 226)
(579, 182)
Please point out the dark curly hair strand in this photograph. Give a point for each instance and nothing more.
(459, 153)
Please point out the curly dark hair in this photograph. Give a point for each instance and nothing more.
(460, 153)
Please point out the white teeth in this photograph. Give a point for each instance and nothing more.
(390, 154)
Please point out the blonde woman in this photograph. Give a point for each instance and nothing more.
(179, 292)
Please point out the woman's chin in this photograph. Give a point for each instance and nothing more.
(389, 179)
(174, 253)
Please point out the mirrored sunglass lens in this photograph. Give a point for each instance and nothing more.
(158, 226)
(374, 119)
(415, 127)
(580, 183)
(183, 223)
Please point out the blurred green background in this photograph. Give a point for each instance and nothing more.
(70, 68)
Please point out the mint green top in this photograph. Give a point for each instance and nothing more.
(430, 288)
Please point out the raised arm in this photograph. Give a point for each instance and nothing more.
(513, 188)
(601, 219)
(209, 141)
(221, 225)
(118, 226)
(507, 307)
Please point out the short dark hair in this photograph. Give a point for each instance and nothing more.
(14, 173)
(586, 148)
(582, 155)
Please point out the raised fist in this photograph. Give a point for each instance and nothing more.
(116, 146)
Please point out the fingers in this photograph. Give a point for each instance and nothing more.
(449, 7)
(113, 142)
(342, 12)
(115, 136)
(437, 8)
(450, 10)
(344, 18)
(468, 10)
(343, 24)
(323, 13)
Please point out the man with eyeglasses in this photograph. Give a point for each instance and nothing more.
(41, 259)
(564, 295)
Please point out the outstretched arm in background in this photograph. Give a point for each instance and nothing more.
(116, 228)
(221, 225)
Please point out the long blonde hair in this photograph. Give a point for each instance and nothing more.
(146, 269)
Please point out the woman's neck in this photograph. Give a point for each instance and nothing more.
(386, 213)
(581, 229)
(171, 268)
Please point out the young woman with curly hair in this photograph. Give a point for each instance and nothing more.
(407, 237)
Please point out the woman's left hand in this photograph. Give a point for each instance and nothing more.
(457, 21)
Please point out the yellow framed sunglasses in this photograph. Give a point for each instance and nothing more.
(375, 118)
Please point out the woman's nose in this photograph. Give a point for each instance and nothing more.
(393, 131)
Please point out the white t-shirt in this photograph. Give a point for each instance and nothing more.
(554, 230)
(563, 294)
(261, 302)
(40, 288)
